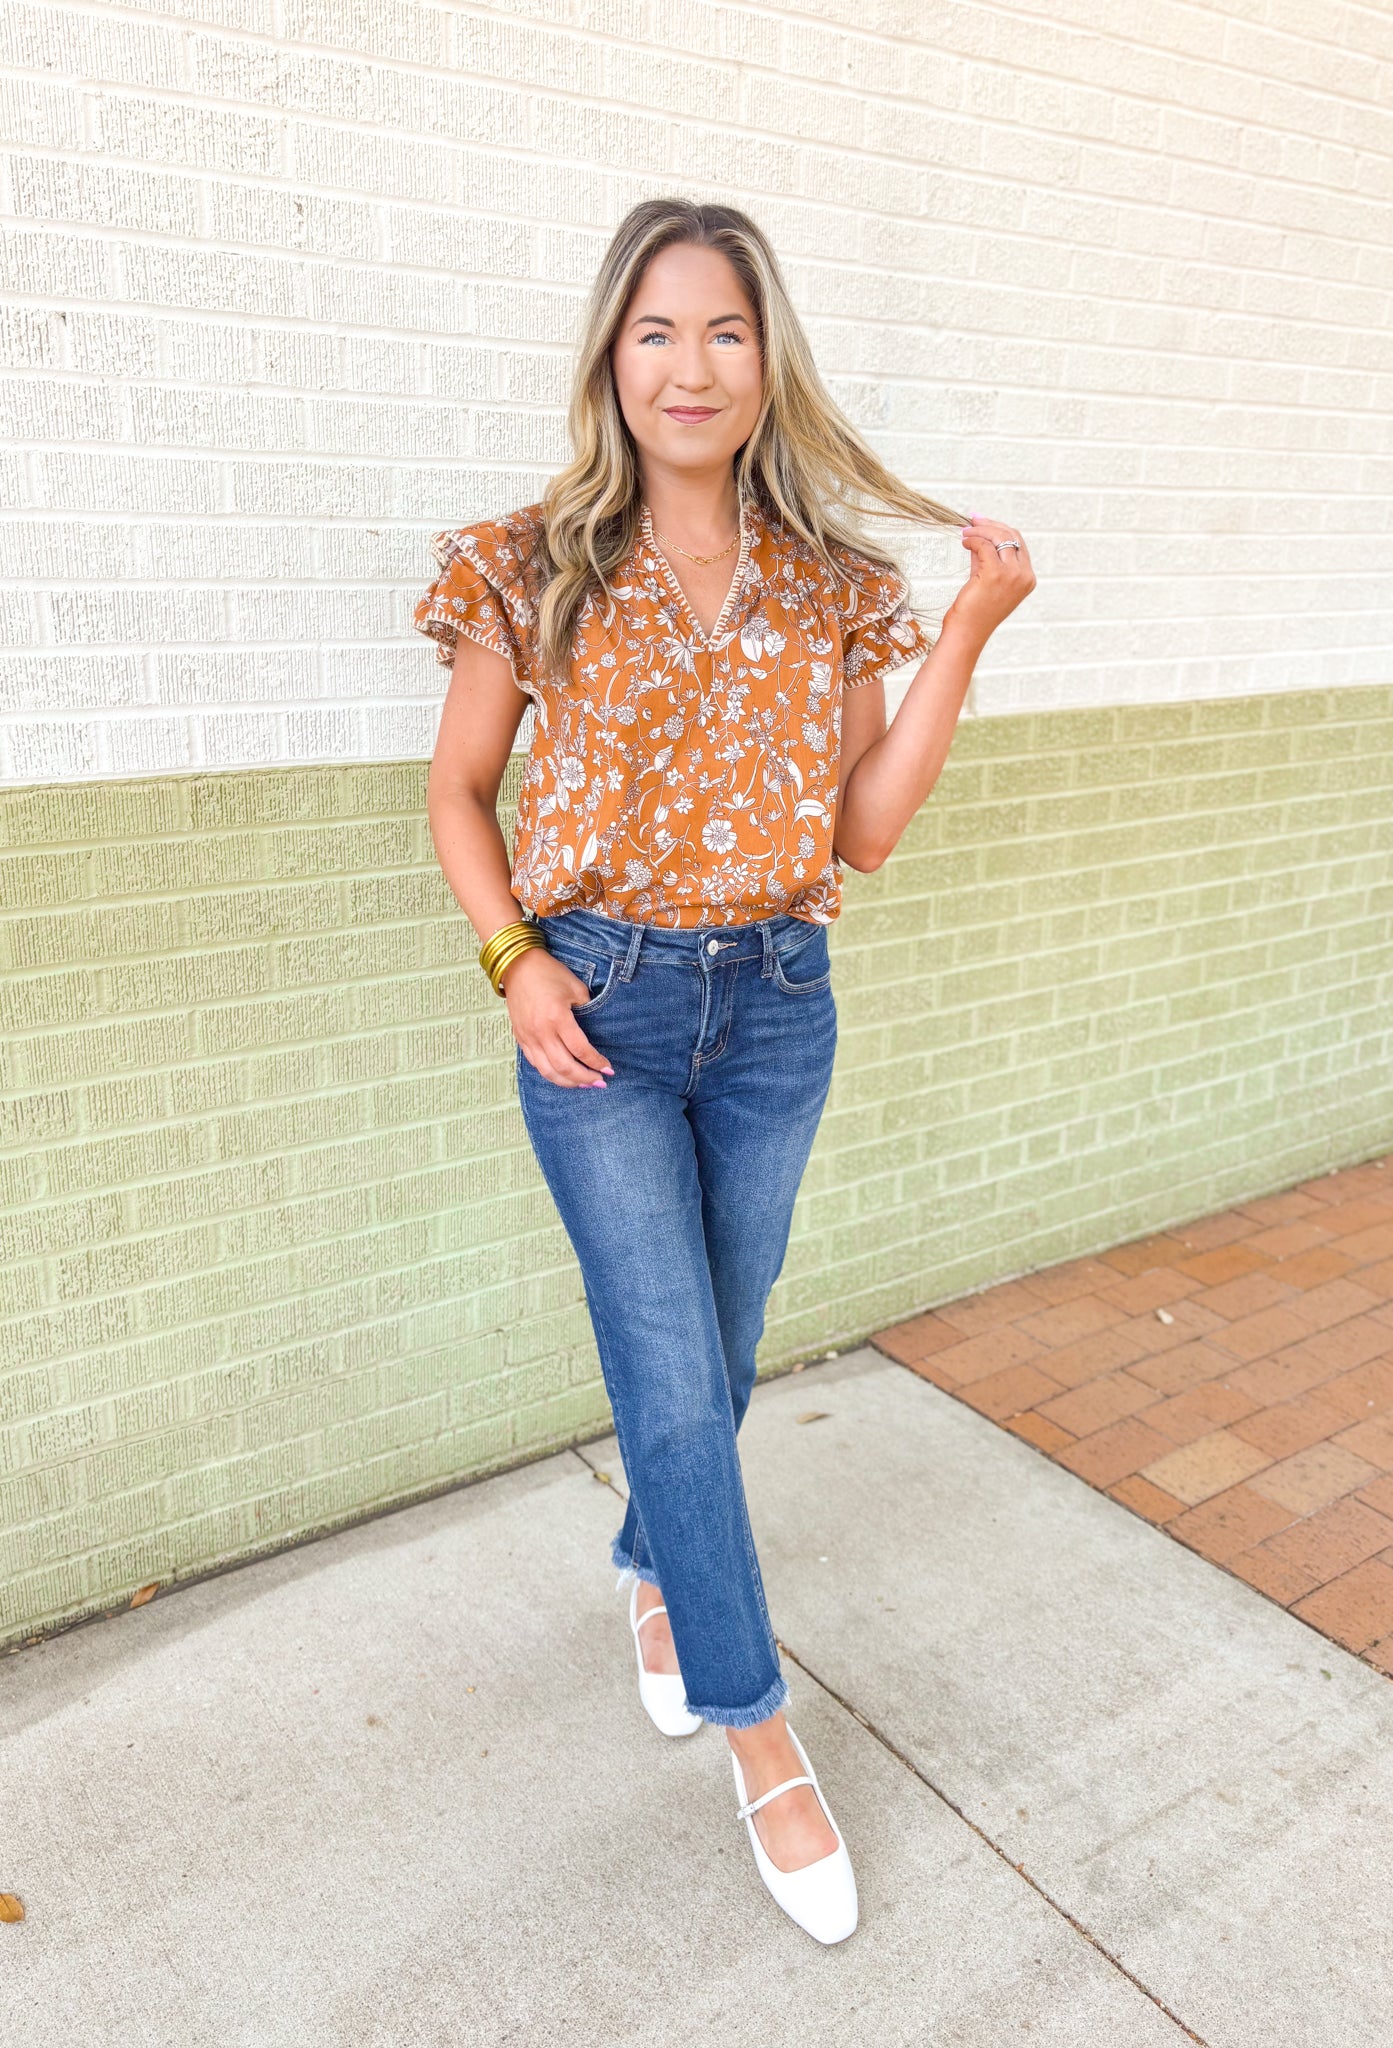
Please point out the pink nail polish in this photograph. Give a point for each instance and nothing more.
(597, 1083)
(607, 1070)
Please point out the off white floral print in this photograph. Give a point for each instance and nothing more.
(675, 779)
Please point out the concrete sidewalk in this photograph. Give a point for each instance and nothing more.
(395, 1788)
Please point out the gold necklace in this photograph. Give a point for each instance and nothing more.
(664, 542)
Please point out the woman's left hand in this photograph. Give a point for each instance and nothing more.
(998, 580)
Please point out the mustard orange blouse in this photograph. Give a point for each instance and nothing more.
(676, 778)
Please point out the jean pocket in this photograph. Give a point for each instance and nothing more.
(598, 975)
(804, 969)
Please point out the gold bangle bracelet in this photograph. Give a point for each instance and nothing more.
(502, 939)
(506, 946)
(504, 965)
(505, 931)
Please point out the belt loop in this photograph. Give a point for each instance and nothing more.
(626, 972)
(766, 932)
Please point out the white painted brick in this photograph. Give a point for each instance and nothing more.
(21, 618)
(291, 284)
(387, 166)
(35, 409)
(775, 106)
(745, 36)
(526, 436)
(188, 132)
(258, 17)
(297, 615)
(296, 356)
(31, 338)
(376, 427)
(673, 85)
(49, 750)
(46, 188)
(239, 739)
(292, 220)
(313, 490)
(81, 42)
(49, 266)
(343, 297)
(620, 141)
(56, 682)
(376, 28)
(532, 377)
(118, 345)
(213, 280)
(136, 618)
(265, 676)
(496, 49)
(31, 110)
(126, 483)
(149, 745)
(357, 553)
(457, 374)
(377, 672)
(182, 416)
(456, 241)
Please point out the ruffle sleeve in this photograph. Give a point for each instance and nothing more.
(879, 631)
(487, 591)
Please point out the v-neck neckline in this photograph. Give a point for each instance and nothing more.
(706, 641)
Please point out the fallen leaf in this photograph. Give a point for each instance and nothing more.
(603, 1477)
(10, 1907)
(801, 1366)
(814, 1415)
(145, 1593)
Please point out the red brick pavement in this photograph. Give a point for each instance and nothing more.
(1230, 1380)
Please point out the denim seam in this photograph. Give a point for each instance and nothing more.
(601, 1337)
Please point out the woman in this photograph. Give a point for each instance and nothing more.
(703, 630)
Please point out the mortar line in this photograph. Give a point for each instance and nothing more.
(1020, 1870)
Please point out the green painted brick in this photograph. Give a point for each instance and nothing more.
(281, 1254)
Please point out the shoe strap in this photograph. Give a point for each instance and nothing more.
(753, 1805)
(648, 1617)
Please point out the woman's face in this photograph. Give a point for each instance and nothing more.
(687, 362)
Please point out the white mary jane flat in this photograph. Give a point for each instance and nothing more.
(821, 1896)
(663, 1694)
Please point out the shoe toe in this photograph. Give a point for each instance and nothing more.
(665, 1701)
(831, 1912)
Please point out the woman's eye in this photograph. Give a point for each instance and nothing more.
(656, 335)
(731, 336)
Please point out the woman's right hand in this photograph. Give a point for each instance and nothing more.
(541, 993)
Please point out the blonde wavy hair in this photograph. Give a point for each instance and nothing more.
(804, 463)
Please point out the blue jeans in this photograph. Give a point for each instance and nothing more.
(676, 1185)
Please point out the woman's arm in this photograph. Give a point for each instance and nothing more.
(885, 776)
(478, 723)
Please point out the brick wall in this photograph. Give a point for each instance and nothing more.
(289, 284)
(282, 1255)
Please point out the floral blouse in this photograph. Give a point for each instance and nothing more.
(675, 777)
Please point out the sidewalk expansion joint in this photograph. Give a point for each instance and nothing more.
(1084, 1933)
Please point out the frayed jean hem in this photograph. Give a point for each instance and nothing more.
(626, 1568)
(745, 1717)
